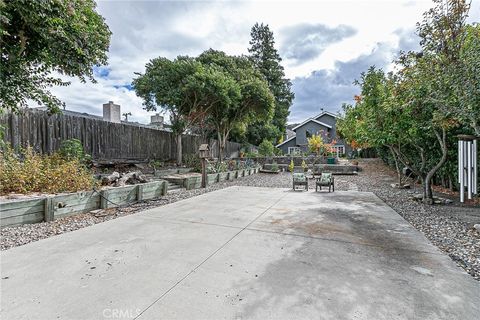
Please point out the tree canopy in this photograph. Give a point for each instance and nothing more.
(248, 99)
(214, 88)
(40, 38)
(266, 59)
(416, 110)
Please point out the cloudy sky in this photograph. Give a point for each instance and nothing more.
(325, 45)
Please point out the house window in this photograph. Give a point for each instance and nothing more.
(308, 134)
(339, 150)
(293, 150)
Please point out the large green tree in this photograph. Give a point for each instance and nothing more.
(245, 96)
(375, 121)
(179, 87)
(41, 37)
(467, 81)
(215, 89)
(415, 110)
(265, 57)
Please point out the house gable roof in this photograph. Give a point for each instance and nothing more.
(325, 113)
(312, 120)
(289, 139)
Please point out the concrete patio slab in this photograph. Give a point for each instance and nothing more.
(343, 216)
(241, 253)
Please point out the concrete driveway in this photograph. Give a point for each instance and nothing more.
(241, 253)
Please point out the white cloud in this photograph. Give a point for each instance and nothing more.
(147, 29)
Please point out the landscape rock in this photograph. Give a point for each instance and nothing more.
(442, 225)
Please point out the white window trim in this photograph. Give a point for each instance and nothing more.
(337, 149)
(296, 150)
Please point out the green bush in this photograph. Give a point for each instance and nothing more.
(278, 152)
(26, 172)
(211, 168)
(73, 149)
(266, 148)
(193, 161)
(291, 166)
(156, 164)
(221, 167)
(304, 165)
(274, 166)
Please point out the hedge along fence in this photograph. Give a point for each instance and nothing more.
(195, 182)
(101, 139)
(54, 207)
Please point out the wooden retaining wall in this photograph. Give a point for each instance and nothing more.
(102, 140)
(54, 207)
(196, 181)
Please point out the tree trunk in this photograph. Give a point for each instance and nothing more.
(399, 173)
(427, 191)
(224, 143)
(220, 155)
(179, 149)
(428, 194)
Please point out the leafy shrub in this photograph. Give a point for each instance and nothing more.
(211, 168)
(240, 165)
(27, 171)
(291, 166)
(278, 152)
(251, 154)
(73, 149)
(249, 163)
(155, 164)
(266, 148)
(193, 161)
(316, 144)
(232, 165)
(304, 165)
(274, 166)
(222, 167)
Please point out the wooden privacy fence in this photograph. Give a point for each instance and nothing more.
(101, 139)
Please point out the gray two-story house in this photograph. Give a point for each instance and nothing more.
(323, 124)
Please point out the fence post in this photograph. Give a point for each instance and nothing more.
(103, 199)
(48, 214)
(164, 188)
(140, 192)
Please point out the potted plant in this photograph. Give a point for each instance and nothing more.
(331, 158)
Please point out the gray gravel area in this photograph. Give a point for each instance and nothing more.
(449, 227)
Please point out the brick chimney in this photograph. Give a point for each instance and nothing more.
(156, 121)
(111, 112)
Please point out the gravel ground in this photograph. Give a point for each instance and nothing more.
(449, 227)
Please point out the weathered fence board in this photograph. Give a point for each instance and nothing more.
(101, 139)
